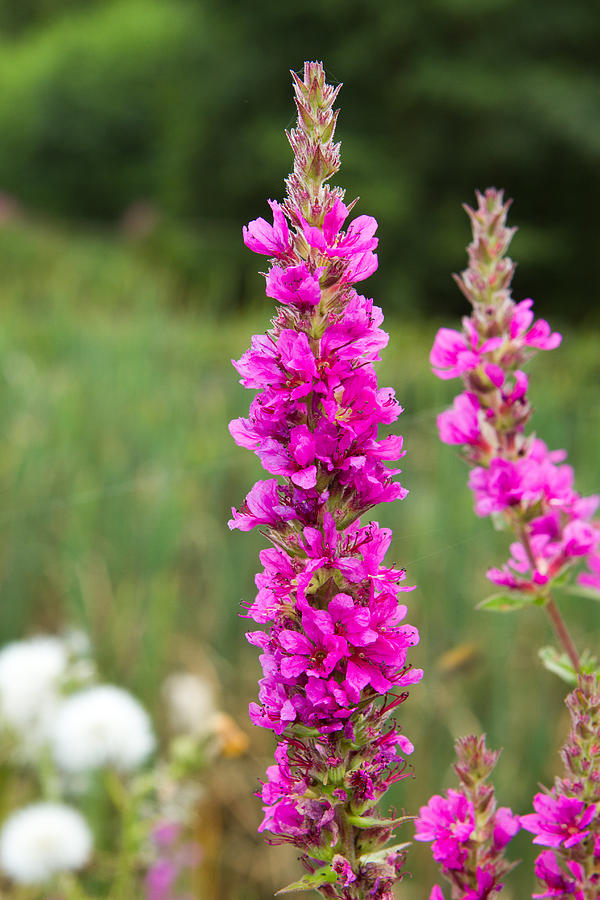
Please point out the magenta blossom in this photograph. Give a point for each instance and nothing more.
(295, 285)
(449, 822)
(539, 335)
(487, 885)
(559, 820)
(506, 825)
(557, 882)
(271, 240)
(358, 240)
(341, 865)
(262, 506)
(591, 578)
(460, 425)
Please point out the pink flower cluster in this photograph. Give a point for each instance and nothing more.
(567, 818)
(336, 641)
(173, 860)
(514, 475)
(468, 834)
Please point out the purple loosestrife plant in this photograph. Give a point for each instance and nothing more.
(468, 833)
(567, 818)
(334, 655)
(528, 488)
(515, 478)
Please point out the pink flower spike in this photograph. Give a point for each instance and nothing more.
(330, 632)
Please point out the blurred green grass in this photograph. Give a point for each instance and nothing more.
(118, 474)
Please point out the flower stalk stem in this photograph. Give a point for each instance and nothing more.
(562, 632)
(556, 620)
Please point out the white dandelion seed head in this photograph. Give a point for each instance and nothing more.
(31, 672)
(101, 726)
(43, 839)
(190, 702)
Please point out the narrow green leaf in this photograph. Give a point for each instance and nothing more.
(372, 822)
(562, 579)
(581, 591)
(509, 601)
(308, 882)
(560, 664)
(303, 730)
(379, 855)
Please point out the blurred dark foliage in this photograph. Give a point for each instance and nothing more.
(182, 104)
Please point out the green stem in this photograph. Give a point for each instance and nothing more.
(562, 633)
(123, 885)
(558, 623)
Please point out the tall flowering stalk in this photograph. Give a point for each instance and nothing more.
(468, 833)
(515, 478)
(334, 652)
(567, 818)
(529, 489)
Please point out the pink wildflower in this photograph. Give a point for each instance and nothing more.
(449, 822)
(271, 240)
(334, 654)
(460, 425)
(559, 820)
(515, 475)
(295, 285)
(468, 835)
(556, 882)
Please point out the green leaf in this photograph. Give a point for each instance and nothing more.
(509, 601)
(310, 882)
(379, 855)
(561, 665)
(303, 730)
(372, 822)
(581, 591)
(558, 663)
(562, 579)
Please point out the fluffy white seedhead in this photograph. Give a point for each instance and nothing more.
(30, 675)
(41, 840)
(190, 702)
(101, 726)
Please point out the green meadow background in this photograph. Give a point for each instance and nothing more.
(136, 140)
